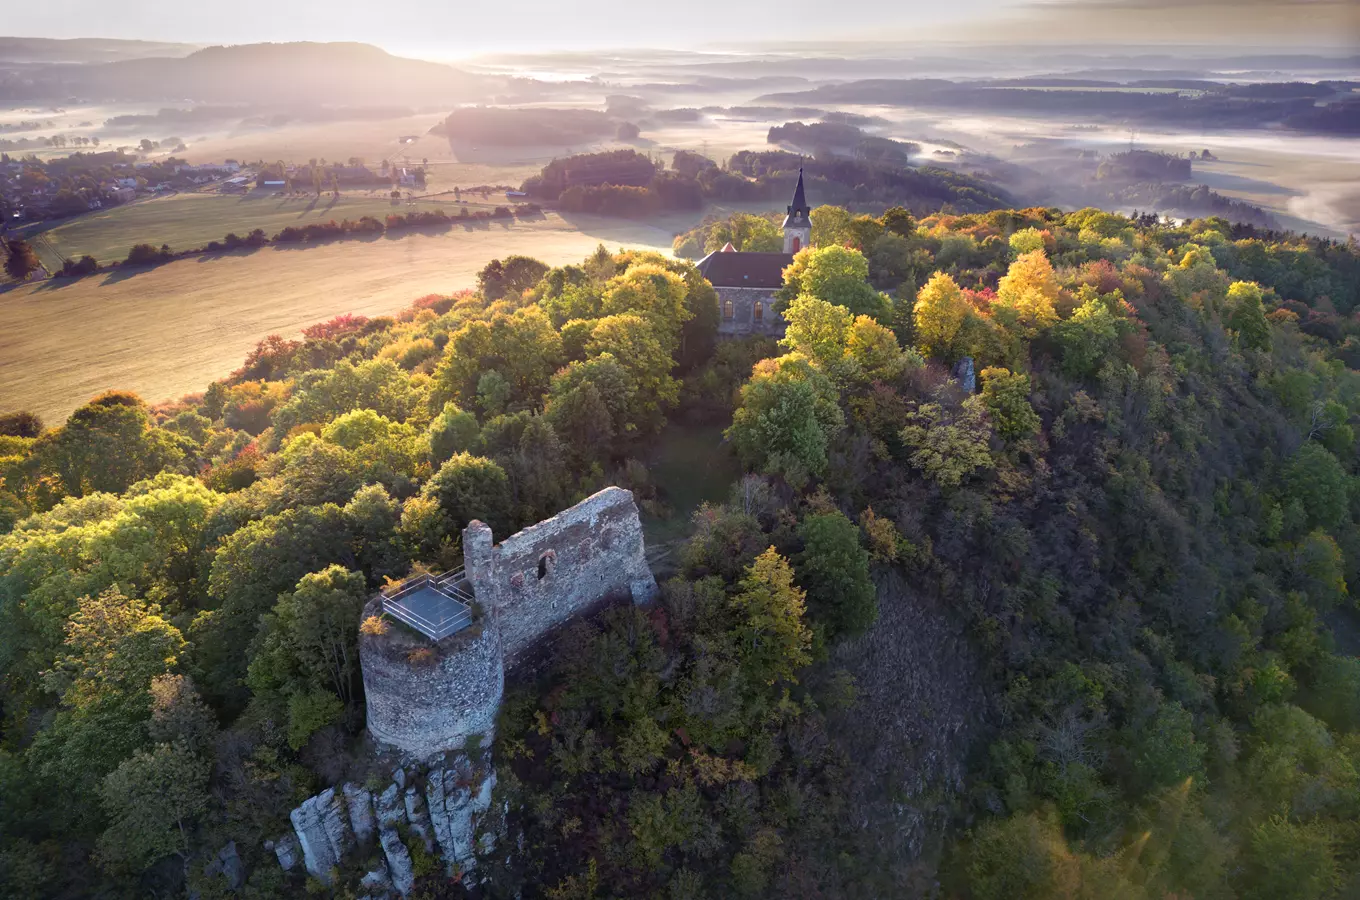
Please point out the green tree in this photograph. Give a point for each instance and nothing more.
(1006, 394)
(817, 329)
(1090, 335)
(949, 444)
(1247, 317)
(834, 570)
(837, 275)
(633, 343)
(452, 431)
(471, 487)
(509, 278)
(773, 640)
(787, 419)
(1319, 484)
(1290, 861)
(152, 801)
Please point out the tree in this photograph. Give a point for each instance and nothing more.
(21, 260)
(1247, 317)
(948, 445)
(633, 342)
(452, 431)
(834, 570)
(309, 643)
(106, 445)
(899, 221)
(939, 314)
(471, 487)
(1290, 861)
(773, 640)
(1315, 479)
(745, 232)
(21, 424)
(152, 801)
(580, 415)
(787, 419)
(1007, 397)
(1027, 293)
(1022, 857)
(654, 293)
(817, 329)
(1091, 334)
(509, 278)
(179, 715)
(836, 274)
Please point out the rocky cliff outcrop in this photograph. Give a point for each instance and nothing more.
(441, 805)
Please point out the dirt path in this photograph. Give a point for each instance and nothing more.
(171, 330)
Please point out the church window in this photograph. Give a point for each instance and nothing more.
(759, 315)
(728, 310)
(797, 243)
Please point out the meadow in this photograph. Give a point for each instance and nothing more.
(170, 330)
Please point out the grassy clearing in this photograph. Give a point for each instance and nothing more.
(691, 465)
(170, 330)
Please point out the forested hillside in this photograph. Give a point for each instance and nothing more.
(1083, 631)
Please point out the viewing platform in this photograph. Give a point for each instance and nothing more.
(435, 605)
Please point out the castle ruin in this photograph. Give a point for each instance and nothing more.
(431, 688)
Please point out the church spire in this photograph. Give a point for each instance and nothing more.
(798, 223)
(798, 209)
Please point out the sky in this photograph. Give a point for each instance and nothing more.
(453, 29)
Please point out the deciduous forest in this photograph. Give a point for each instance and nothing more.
(1117, 456)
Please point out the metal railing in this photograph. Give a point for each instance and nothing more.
(451, 585)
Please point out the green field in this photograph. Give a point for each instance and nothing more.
(170, 330)
(187, 221)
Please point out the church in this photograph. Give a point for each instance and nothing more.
(746, 282)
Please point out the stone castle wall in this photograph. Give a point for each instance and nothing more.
(425, 698)
(561, 568)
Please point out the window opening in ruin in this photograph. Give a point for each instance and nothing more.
(546, 562)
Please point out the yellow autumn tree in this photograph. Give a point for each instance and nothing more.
(939, 314)
(1026, 294)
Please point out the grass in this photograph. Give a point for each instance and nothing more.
(186, 221)
(170, 330)
(691, 465)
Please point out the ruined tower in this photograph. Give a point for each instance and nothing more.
(437, 678)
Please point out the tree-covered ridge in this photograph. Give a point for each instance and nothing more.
(629, 183)
(1143, 517)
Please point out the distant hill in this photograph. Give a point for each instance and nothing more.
(84, 50)
(304, 72)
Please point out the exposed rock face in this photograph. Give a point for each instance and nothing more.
(398, 861)
(360, 803)
(455, 812)
(419, 819)
(562, 567)
(966, 375)
(227, 863)
(287, 850)
(323, 832)
(446, 817)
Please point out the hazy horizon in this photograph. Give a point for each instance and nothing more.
(536, 26)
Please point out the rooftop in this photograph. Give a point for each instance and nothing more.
(727, 268)
(435, 605)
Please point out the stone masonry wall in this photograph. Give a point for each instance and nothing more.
(426, 698)
(743, 322)
(560, 568)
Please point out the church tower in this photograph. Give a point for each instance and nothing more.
(798, 223)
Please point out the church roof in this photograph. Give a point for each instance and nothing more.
(738, 269)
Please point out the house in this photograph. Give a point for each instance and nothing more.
(746, 282)
(122, 194)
